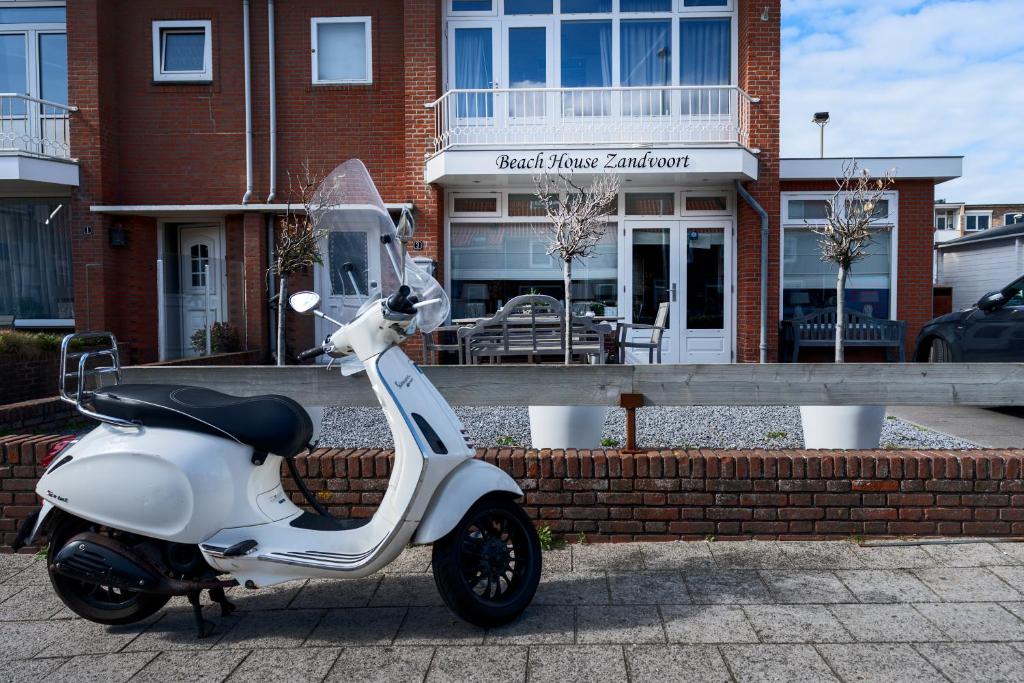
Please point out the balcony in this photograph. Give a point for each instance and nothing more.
(35, 144)
(698, 116)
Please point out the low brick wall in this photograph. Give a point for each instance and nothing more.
(677, 494)
(28, 376)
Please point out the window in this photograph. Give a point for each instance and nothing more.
(705, 204)
(705, 50)
(35, 259)
(182, 51)
(941, 221)
(706, 3)
(586, 6)
(807, 209)
(586, 63)
(348, 247)
(525, 205)
(199, 259)
(978, 220)
(1015, 294)
(342, 50)
(645, 5)
(475, 205)
(1016, 218)
(473, 6)
(650, 204)
(528, 6)
(33, 62)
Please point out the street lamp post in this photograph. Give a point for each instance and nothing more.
(821, 118)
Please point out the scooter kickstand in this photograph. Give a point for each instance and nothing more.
(226, 606)
(203, 627)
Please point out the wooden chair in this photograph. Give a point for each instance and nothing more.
(432, 351)
(657, 332)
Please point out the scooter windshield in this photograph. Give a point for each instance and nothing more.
(364, 254)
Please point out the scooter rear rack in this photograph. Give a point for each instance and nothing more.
(88, 368)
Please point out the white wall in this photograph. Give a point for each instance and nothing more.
(973, 271)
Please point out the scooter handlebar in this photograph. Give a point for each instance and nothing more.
(314, 352)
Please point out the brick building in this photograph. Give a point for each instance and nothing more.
(164, 163)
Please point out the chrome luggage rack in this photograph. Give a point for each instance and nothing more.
(99, 360)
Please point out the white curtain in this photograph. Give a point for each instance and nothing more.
(474, 69)
(645, 58)
(586, 63)
(35, 260)
(705, 47)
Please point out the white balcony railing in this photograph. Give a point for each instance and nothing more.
(29, 125)
(698, 115)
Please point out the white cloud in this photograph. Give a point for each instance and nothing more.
(910, 77)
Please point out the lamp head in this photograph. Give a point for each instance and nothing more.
(821, 118)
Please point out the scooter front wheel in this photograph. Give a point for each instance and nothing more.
(488, 567)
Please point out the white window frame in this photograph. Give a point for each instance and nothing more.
(725, 194)
(161, 76)
(367, 23)
(976, 214)
(729, 6)
(449, 4)
(499, 204)
(1010, 214)
(890, 223)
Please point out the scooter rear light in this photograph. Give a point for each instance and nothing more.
(56, 449)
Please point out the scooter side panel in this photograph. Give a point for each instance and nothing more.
(469, 482)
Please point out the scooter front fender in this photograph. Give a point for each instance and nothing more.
(468, 483)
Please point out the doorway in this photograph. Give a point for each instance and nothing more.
(193, 283)
(343, 290)
(687, 265)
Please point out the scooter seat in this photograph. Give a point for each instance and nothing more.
(270, 424)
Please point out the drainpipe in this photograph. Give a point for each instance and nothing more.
(273, 102)
(749, 199)
(248, 103)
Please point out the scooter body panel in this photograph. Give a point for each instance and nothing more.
(471, 481)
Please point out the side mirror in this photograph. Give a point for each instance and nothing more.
(992, 301)
(304, 302)
(406, 226)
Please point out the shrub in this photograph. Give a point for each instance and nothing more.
(223, 339)
(29, 343)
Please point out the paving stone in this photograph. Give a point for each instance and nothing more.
(1012, 575)
(18, 671)
(624, 556)
(893, 557)
(415, 559)
(176, 630)
(11, 564)
(7, 591)
(576, 663)
(503, 664)
(111, 668)
(286, 666)
(729, 587)
(573, 588)
(886, 623)
(272, 629)
(796, 624)
(973, 621)
(750, 555)
(1015, 607)
(404, 590)
(357, 626)
(821, 555)
(677, 663)
(979, 554)
(1013, 550)
(806, 586)
(30, 603)
(975, 662)
(870, 662)
(330, 593)
(72, 637)
(271, 597)
(791, 663)
(23, 640)
(380, 664)
(885, 585)
(648, 588)
(707, 624)
(967, 585)
(437, 626)
(191, 666)
(34, 574)
(619, 624)
(685, 556)
(538, 625)
(557, 560)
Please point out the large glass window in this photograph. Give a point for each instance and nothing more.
(35, 259)
(980, 220)
(53, 67)
(586, 63)
(474, 70)
(645, 59)
(705, 279)
(527, 68)
(528, 7)
(705, 49)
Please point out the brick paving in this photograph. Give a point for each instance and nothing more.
(700, 611)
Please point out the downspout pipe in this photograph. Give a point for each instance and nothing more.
(246, 60)
(749, 199)
(273, 101)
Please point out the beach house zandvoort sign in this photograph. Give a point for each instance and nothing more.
(587, 161)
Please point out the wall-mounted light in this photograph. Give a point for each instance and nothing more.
(764, 14)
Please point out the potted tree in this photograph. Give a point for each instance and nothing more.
(850, 214)
(577, 220)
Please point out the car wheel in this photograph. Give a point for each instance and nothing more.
(939, 352)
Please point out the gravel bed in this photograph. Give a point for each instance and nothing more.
(771, 427)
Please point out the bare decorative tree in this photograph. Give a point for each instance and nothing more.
(578, 220)
(850, 213)
(297, 245)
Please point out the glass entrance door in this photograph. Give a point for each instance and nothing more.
(472, 66)
(707, 304)
(651, 283)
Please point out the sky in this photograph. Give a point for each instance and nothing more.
(910, 77)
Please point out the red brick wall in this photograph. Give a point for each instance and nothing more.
(668, 495)
(28, 377)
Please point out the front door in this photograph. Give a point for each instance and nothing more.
(342, 291)
(686, 264)
(202, 281)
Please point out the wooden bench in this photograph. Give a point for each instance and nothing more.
(819, 329)
(531, 326)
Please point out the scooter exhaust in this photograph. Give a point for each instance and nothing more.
(94, 558)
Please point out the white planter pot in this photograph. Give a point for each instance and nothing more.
(851, 427)
(567, 426)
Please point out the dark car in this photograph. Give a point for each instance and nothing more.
(991, 330)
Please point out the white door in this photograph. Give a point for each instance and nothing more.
(687, 264)
(473, 65)
(201, 262)
(527, 66)
(343, 290)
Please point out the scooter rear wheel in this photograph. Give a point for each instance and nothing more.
(488, 567)
(101, 604)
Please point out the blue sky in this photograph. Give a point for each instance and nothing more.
(910, 77)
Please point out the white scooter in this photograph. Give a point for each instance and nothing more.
(178, 490)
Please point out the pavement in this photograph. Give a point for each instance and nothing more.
(701, 611)
(986, 427)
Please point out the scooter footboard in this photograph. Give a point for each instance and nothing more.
(468, 483)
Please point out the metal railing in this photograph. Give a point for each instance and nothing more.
(714, 115)
(33, 126)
